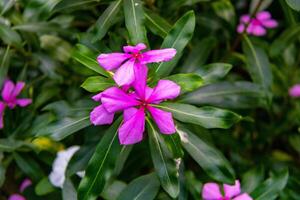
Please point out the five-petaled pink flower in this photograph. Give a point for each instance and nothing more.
(127, 62)
(9, 94)
(211, 191)
(257, 25)
(295, 91)
(135, 104)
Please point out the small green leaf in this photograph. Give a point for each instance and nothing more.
(252, 179)
(73, 4)
(207, 156)
(225, 10)
(157, 24)
(9, 36)
(187, 82)
(97, 83)
(294, 4)
(69, 191)
(213, 72)
(207, 117)
(173, 143)
(142, 188)
(44, 187)
(4, 65)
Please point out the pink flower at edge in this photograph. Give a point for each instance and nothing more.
(257, 25)
(16, 197)
(9, 95)
(135, 104)
(295, 91)
(125, 63)
(211, 191)
(25, 184)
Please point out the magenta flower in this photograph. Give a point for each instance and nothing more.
(257, 25)
(211, 191)
(9, 94)
(295, 91)
(135, 104)
(25, 183)
(16, 197)
(127, 62)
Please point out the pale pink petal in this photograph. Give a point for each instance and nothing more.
(97, 97)
(112, 61)
(18, 88)
(25, 184)
(232, 190)
(259, 31)
(163, 120)
(165, 89)
(134, 49)
(295, 91)
(16, 197)
(131, 131)
(269, 23)
(161, 55)
(243, 196)
(100, 116)
(263, 15)
(7, 90)
(125, 74)
(2, 108)
(114, 99)
(245, 19)
(211, 191)
(140, 82)
(23, 102)
(128, 113)
(240, 28)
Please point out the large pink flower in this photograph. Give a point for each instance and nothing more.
(211, 191)
(126, 62)
(257, 25)
(9, 94)
(135, 104)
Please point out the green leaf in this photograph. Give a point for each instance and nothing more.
(44, 187)
(97, 83)
(177, 38)
(113, 190)
(6, 5)
(294, 4)
(9, 36)
(252, 179)
(101, 164)
(134, 20)
(73, 4)
(165, 167)
(236, 95)
(258, 64)
(157, 24)
(214, 71)
(41, 27)
(187, 82)
(68, 190)
(4, 66)
(106, 20)
(207, 117)
(271, 187)
(142, 188)
(173, 143)
(90, 63)
(208, 157)
(9, 145)
(225, 10)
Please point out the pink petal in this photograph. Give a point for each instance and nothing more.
(18, 88)
(163, 120)
(269, 23)
(240, 28)
(245, 19)
(243, 196)
(295, 91)
(125, 74)
(7, 90)
(2, 108)
(128, 113)
(134, 49)
(112, 61)
(232, 190)
(16, 197)
(161, 55)
(263, 15)
(165, 89)
(140, 82)
(97, 97)
(259, 31)
(25, 184)
(114, 99)
(23, 102)
(211, 191)
(100, 116)
(131, 131)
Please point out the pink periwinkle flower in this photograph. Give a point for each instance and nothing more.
(257, 25)
(25, 184)
(135, 104)
(211, 191)
(126, 63)
(16, 197)
(9, 94)
(295, 91)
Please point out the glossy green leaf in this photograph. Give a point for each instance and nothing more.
(6, 5)
(134, 20)
(207, 156)
(252, 178)
(177, 38)
(44, 187)
(294, 4)
(213, 72)
(97, 83)
(113, 190)
(157, 24)
(10, 145)
(9, 36)
(2, 174)
(4, 65)
(228, 95)
(101, 164)
(73, 4)
(165, 167)
(142, 188)
(41, 27)
(270, 188)
(69, 191)
(173, 143)
(225, 10)
(207, 117)
(187, 82)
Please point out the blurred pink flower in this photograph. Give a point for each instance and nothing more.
(16, 197)
(9, 94)
(25, 184)
(211, 191)
(295, 91)
(127, 62)
(115, 99)
(257, 25)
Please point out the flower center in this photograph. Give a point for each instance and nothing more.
(136, 55)
(256, 22)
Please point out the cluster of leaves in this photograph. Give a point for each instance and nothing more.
(234, 117)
